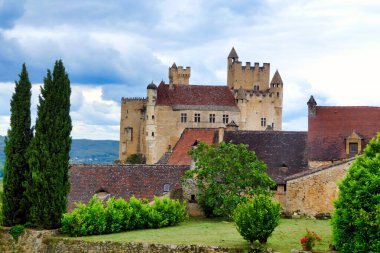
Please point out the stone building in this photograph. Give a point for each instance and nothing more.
(153, 125)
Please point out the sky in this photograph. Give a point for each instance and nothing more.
(113, 49)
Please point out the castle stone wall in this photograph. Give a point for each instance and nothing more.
(143, 181)
(315, 191)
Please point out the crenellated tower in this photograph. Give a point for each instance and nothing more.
(259, 101)
(179, 75)
(249, 77)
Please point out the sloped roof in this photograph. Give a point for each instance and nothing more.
(284, 152)
(233, 53)
(331, 126)
(185, 142)
(276, 78)
(195, 95)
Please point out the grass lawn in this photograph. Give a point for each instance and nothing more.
(221, 233)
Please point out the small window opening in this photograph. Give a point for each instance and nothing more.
(166, 187)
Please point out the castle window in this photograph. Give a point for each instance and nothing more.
(197, 117)
(153, 117)
(152, 134)
(353, 144)
(225, 118)
(256, 88)
(128, 133)
(353, 148)
(212, 118)
(183, 117)
(166, 187)
(272, 125)
(263, 122)
(278, 94)
(147, 133)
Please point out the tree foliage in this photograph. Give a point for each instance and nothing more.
(19, 136)
(257, 218)
(225, 175)
(47, 184)
(136, 159)
(356, 221)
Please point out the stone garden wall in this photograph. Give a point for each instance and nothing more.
(314, 191)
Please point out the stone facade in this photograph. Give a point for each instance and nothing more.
(142, 181)
(153, 125)
(314, 191)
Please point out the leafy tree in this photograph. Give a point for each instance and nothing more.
(47, 183)
(136, 159)
(356, 221)
(257, 218)
(225, 175)
(16, 166)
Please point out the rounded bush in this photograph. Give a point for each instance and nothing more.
(257, 218)
(356, 220)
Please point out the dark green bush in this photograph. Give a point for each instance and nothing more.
(136, 159)
(257, 218)
(119, 215)
(356, 220)
(16, 231)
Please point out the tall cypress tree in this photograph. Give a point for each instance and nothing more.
(17, 142)
(47, 184)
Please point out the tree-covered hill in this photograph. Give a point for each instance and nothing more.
(83, 151)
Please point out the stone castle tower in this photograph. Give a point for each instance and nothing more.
(153, 125)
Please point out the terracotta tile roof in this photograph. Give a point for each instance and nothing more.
(185, 142)
(284, 152)
(331, 126)
(195, 95)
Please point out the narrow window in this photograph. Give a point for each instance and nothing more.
(166, 187)
(183, 117)
(152, 134)
(128, 133)
(272, 125)
(152, 117)
(256, 88)
(212, 118)
(263, 122)
(197, 117)
(225, 118)
(278, 94)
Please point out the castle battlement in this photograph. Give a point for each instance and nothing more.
(179, 75)
(131, 99)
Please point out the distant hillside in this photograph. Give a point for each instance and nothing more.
(83, 151)
(94, 151)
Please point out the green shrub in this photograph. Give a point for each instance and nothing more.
(136, 159)
(118, 215)
(172, 211)
(257, 218)
(356, 220)
(87, 219)
(16, 231)
(140, 213)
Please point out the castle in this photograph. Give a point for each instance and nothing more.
(152, 126)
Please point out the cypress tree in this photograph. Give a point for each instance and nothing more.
(16, 144)
(47, 184)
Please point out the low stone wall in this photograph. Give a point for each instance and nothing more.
(59, 245)
(314, 191)
(29, 242)
(46, 241)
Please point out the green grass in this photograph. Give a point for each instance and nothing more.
(221, 233)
